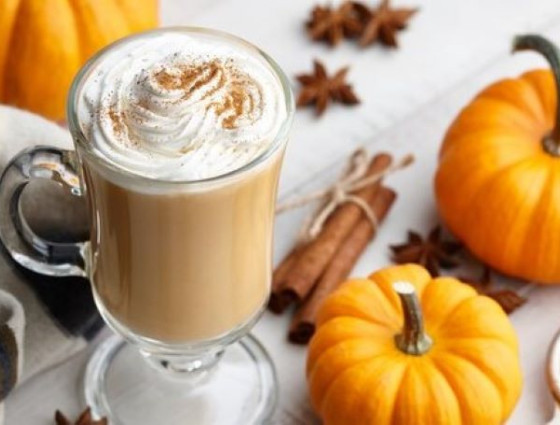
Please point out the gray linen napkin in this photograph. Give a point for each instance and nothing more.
(43, 320)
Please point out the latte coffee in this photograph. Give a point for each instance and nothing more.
(182, 251)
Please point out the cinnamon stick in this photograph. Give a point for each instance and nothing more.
(303, 324)
(276, 303)
(311, 262)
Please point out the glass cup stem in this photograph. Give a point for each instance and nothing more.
(184, 366)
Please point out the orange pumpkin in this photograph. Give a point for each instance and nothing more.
(371, 362)
(44, 42)
(498, 181)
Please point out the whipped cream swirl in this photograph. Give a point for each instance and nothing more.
(181, 107)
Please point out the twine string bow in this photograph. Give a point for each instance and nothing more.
(341, 191)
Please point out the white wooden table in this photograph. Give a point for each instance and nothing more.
(451, 50)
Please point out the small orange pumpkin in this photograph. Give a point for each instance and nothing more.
(44, 42)
(371, 363)
(498, 181)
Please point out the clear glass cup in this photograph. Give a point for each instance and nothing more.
(180, 271)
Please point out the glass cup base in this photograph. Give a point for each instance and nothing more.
(240, 389)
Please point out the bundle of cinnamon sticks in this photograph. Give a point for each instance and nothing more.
(312, 270)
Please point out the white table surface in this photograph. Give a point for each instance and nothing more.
(451, 50)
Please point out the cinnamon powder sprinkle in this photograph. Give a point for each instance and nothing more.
(192, 78)
(166, 80)
(233, 104)
(117, 121)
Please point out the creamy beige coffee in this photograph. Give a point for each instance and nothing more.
(172, 259)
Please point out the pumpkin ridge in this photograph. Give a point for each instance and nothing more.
(439, 341)
(433, 370)
(359, 405)
(28, 85)
(340, 371)
(397, 394)
(542, 82)
(489, 137)
(387, 294)
(502, 387)
(335, 326)
(442, 366)
(491, 326)
(547, 194)
(548, 50)
(399, 378)
(95, 30)
(457, 307)
(433, 328)
(484, 132)
(374, 372)
(348, 305)
(488, 113)
(504, 103)
(354, 314)
(384, 281)
(344, 342)
(491, 140)
(520, 93)
(477, 242)
(470, 176)
(9, 13)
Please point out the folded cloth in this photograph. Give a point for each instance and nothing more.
(43, 320)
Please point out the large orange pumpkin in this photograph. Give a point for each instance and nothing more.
(498, 182)
(44, 42)
(371, 362)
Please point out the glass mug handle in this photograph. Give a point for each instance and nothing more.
(25, 247)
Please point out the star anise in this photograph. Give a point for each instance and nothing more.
(85, 418)
(432, 253)
(383, 23)
(508, 299)
(319, 89)
(332, 24)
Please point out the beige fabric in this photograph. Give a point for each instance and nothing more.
(39, 339)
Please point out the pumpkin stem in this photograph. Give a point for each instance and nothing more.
(551, 142)
(413, 340)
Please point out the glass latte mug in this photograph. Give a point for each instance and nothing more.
(180, 269)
